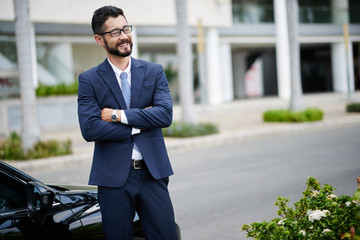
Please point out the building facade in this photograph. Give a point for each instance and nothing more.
(246, 48)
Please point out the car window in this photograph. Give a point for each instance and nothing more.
(12, 193)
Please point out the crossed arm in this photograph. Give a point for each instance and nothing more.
(107, 112)
(96, 125)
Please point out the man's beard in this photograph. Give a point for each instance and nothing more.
(115, 51)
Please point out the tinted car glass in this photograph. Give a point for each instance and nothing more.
(12, 193)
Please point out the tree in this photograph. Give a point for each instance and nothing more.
(30, 131)
(296, 103)
(185, 63)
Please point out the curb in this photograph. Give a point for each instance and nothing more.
(266, 129)
(269, 130)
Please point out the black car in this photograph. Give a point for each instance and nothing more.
(30, 209)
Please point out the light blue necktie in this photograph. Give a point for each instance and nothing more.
(125, 88)
(126, 91)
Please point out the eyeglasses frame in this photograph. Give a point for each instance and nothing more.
(116, 29)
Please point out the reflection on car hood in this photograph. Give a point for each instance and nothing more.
(73, 188)
(74, 194)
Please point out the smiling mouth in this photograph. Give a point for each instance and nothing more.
(124, 43)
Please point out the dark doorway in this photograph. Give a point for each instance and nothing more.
(356, 55)
(316, 74)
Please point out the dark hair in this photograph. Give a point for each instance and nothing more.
(101, 15)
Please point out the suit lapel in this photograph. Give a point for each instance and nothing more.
(137, 78)
(108, 75)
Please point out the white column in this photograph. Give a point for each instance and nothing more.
(135, 50)
(214, 79)
(341, 72)
(338, 65)
(282, 50)
(61, 62)
(226, 73)
(34, 58)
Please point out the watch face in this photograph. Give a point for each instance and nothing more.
(113, 117)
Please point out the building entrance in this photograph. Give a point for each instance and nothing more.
(316, 74)
(356, 54)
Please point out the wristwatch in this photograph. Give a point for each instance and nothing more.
(114, 116)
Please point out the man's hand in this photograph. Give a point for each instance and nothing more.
(106, 114)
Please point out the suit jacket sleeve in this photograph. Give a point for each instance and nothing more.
(89, 112)
(160, 114)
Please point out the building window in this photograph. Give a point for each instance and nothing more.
(311, 11)
(253, 11)
(354, 6)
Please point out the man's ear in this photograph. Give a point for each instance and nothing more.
(99, 40)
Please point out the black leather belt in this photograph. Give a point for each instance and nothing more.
(138, 164)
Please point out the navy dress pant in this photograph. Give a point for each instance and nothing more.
(145, 195)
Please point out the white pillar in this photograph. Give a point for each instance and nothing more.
(214, 78)
(34, 58)
(61, 62)
(282, 50)
(338, 64)
(342, 73)
(135, 50)
(226, 72)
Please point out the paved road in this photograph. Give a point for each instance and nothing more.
(216, 190)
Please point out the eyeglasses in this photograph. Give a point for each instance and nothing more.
(117, 32)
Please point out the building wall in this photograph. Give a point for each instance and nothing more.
(66, 24)
(87, 56)
(138, 12)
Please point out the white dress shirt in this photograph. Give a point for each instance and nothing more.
(136, 155)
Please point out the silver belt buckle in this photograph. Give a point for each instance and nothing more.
(137, 166)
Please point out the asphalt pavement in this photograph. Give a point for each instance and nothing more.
(237, 121)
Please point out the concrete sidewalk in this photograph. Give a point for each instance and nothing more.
(237, 121)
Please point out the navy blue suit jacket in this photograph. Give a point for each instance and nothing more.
(98, 89)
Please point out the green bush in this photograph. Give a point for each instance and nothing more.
(183, 130)
(49, 149)
(353, 107)
(314, 114)
(320, 214)
(57, 90)
(282, 115)
(170, 73)
(11, 149)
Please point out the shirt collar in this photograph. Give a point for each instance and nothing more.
(118, 71)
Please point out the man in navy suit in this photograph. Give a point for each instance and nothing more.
(130, 162)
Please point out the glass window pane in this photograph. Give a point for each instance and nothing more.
(354, 6)
(318, 11)
(12, 194)
(253, 11)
